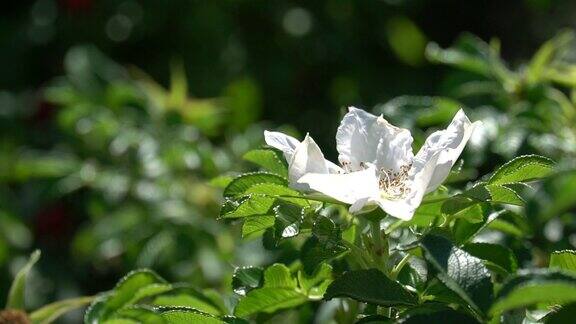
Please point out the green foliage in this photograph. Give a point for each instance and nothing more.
(522, 169)
(371, 286)
(270, 160)
(243, 183)
(563, 260)
(533, 287)
(128, 159)
(323, 246)
(281, 290)
(49, 313)
(461, 272)
(144, 296)
(16, 293)
(114, 176)
(496, 256)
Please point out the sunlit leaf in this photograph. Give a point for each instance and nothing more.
(564, 260)
(270, 160)
(522, 169)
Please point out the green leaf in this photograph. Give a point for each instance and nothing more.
(288, 220)
(279, 291)
(374, 319)
(49, 313)
(458, 270)
(278, 276)
(324, 246)
(246, 279)
(504, 195)
(522, 169)
(253, 205)
(370, 286)
(434, 314)
(472, 54)
(136, 314)
(563, 260)
(315, 285)
(271, 160)
(16, 292)
(135, 285)
(221, 181)
(457, 58)
(532, 287)
(255, 226)
(507, 227)
(272, 189)
(437, 291)
(241, 184)
(185, 315)
(495, 254)
(565, 314)
(544, 57)
(280, 191)
(555, 196)
(482, 192)
(269, 300)
(460, 207)
(315, 252)
(464, 231)
(185, 296)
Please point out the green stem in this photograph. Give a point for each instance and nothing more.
(394, 273)
(380, 251)
(358, 255)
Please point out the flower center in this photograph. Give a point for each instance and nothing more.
(394, 185)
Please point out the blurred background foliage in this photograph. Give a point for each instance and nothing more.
(114, 116)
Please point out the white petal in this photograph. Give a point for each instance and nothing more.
(359, 204)
(431, 165)
(285, 143)
(288, 144)
(404, 208)
(365, 138)
(449, 143)
(307, 158)
(347, 187)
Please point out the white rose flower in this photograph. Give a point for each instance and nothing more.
(377, 165)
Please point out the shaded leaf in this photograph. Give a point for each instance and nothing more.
(435, 314)
(495, 254)
(246, 279)
(325, 245)
(288, 220)
(370, 286)
(536, 286)
(566, 314)
(464, 274)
